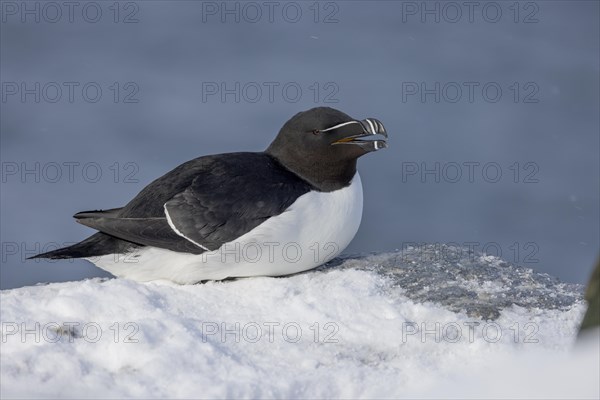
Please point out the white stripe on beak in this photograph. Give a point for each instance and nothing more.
(373, 130)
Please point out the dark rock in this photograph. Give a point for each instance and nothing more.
(592, 296)
(464, 281)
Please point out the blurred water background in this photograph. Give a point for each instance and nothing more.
(493, 115)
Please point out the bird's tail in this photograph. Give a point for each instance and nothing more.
(98, 244)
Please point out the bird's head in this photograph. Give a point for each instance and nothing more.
(322, 145)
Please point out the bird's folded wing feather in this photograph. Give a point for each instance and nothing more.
(146, 231)
(225, 198)
(211, 214)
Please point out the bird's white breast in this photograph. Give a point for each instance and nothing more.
(317, 227)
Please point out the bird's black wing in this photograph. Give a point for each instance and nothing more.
(154, 231)
(203, 203)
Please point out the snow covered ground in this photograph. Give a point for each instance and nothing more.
(429, 322)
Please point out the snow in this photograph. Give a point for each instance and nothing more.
(377, 326)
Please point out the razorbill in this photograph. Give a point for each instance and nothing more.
(288, 209)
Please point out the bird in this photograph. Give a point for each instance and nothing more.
(285, 210)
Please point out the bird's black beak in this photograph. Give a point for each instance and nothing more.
(370, 127)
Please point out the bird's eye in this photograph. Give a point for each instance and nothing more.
(316, 132)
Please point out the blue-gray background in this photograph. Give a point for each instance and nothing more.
(362, 54)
